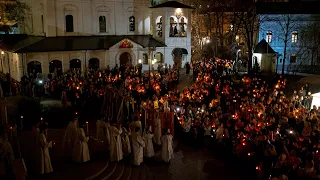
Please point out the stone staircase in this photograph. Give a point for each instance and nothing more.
(124, 171)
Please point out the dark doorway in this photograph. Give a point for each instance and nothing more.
(75, 64)
(33, 68)
(55, 67)
(94, 63)
(125, 59)
(177, 54)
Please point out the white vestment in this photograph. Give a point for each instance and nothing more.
(36, 150)
(115, 144)
(103, 132)
(167, 149)
(157, 131)
(126, 146)
(84, 146)
(148, 150)
(70, 135)
(137, 146)
(46, 166)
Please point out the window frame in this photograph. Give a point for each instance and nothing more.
(269, 36)
(293, 60)
(67, 24)
(132, 24)
(294, 37)
(104, 23)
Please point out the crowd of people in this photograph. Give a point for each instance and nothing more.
(249, 118)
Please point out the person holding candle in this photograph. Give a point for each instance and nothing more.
(116, 153)
(84, 152)
(45, 160)
(137, 146)
(149, 151)
(167, 147)
(103, 131)
(71, 136)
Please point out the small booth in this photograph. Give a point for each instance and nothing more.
(315, 100)
(265, 56)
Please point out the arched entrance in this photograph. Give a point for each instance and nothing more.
(94, 63)
(33, 68)
(125, 59)
(75, 64)
(55, 67)
(178, 54)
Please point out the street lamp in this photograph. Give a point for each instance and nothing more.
(139, 61)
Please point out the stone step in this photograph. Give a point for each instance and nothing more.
(117, 174)
(135, 173)
(108, 172)
(126, 172)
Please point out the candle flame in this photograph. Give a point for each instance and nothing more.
(87, 122)
(21, 117)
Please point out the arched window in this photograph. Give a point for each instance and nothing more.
(69, 23)
(102, 24)
(132, 23)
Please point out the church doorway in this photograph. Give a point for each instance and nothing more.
(125, 59)
(55, 67)
(94, 63)
(75, 64)
(33, 68)
(178, 54)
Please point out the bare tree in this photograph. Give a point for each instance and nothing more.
(285, 24)
(12, 13)
(249, 22)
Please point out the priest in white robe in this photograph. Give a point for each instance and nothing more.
(85, 155)
(36, 148)
(167, 147)
(137, 146)
(103, 133)
(116, 153)
(126, 146)
(71, 142)
(148, 150)
(45, 160)
(157, 131)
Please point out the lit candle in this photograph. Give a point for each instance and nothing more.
(87, 125)
(21, 120)
(11, 131)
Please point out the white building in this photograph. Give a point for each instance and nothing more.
(65, 34)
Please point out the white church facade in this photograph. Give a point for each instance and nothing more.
(61, 35)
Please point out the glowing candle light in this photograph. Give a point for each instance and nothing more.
(87, 125)
(249, 154)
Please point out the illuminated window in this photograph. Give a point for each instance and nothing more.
(293, 58)
(294, 37)
(269, 36)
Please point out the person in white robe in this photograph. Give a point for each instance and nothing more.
(136, 124)
(126, 146)
(137, 145)
(148, 150)
(103, 133)
(116, 153)
(5, 150)
(85, 155)
(157, 131)
(167, 147)
(71, 137)
(36, 148)
(45, 160)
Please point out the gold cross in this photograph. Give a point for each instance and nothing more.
(132, 102)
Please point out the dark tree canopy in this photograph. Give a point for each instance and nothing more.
(12, 13)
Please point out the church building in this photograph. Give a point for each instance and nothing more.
(61, 35)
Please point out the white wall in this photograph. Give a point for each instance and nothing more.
(86, 16)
